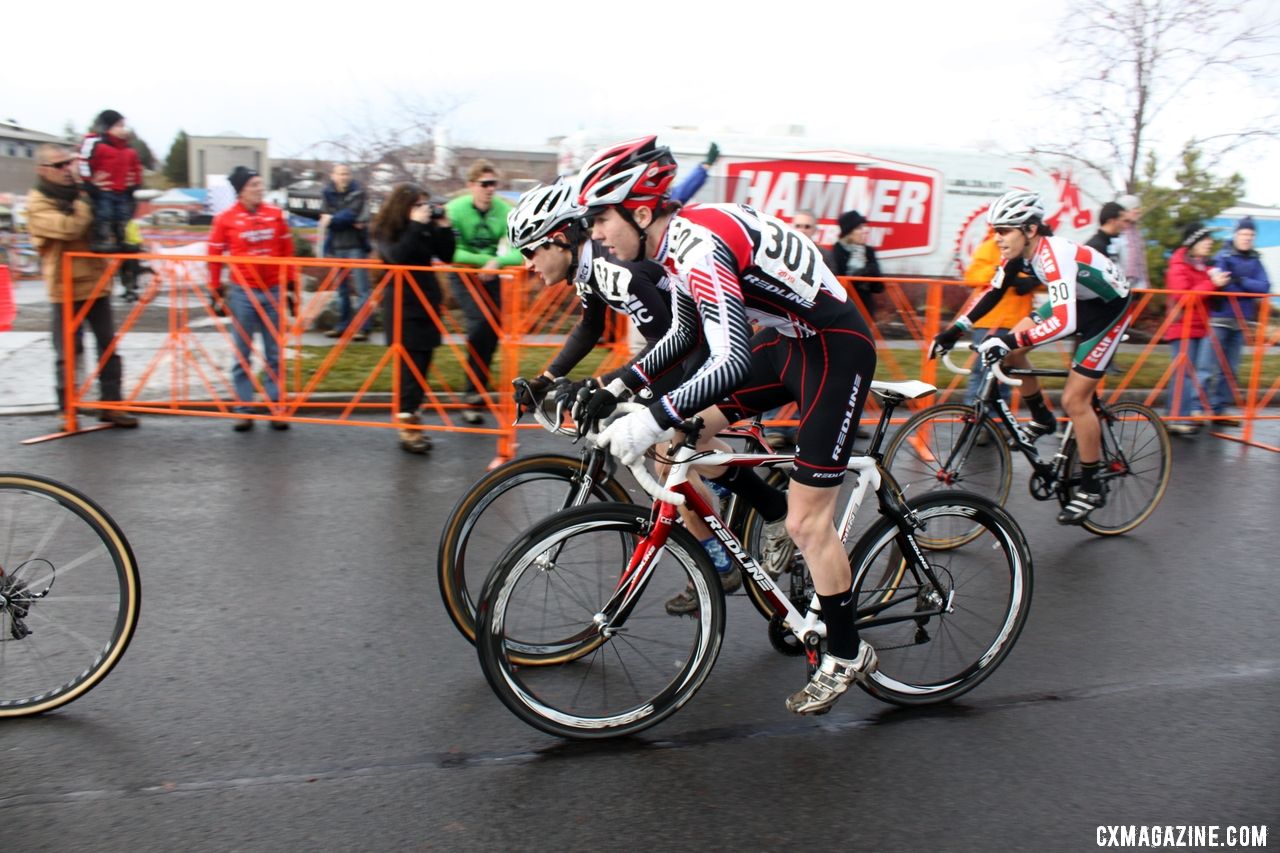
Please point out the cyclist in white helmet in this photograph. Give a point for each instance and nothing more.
(1088, 300)
(548, 227)
(730, 266)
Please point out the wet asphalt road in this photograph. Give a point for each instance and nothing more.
(295, 684)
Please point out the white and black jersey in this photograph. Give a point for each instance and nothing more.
(638, 289)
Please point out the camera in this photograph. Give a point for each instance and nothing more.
(437, 211)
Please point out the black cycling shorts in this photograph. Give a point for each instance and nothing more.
(828, 376)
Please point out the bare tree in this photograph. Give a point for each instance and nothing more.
(387, 149)
(1126, 62)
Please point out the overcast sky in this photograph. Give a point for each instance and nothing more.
(869, 74)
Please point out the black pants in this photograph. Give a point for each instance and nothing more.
(102, 325)
(482, 338)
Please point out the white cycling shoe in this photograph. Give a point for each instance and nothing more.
(832, 679)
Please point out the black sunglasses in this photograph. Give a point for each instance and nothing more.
(487, 184)
(61, 164)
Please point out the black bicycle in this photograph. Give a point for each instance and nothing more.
(69, 594)
(954, 446)
(514, 496)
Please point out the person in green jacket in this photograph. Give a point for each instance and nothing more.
(480, 220)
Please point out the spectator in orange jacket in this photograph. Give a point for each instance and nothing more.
(251, 228)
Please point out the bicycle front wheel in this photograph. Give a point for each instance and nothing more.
(1136, 465)
(496, 509)
(947, 447)
(69, 594)
(938, 638)
(620, 671)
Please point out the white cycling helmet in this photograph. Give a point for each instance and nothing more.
(541, 212)
(1016, 208)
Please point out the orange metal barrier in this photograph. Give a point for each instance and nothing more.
(188, 375)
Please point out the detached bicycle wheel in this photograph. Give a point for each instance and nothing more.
(939, 638)
(1137, 460)
(496, 509)
(621, 668)
(69, 594)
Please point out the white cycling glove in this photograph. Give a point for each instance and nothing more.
(629, 437)
(993, 348)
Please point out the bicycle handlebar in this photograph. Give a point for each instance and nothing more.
(995, 365)
(638, 470)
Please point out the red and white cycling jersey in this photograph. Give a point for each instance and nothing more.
(730, 266)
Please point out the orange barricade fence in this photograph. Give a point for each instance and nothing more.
(343, 382)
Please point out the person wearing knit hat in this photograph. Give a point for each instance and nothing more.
(1191, 280)
(257, 294)
(1229, 318)
(851, 256)
(111, 171)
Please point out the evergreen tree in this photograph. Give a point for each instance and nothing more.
(1197, 197)
(175, 165)
(138, 144)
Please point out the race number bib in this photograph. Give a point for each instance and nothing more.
(789, 257)
(688, 243)
(613, 281)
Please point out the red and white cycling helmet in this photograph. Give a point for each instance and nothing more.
(541, 213)
(636, 173)
(1015, 209)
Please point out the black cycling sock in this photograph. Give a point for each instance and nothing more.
(1089, 477)
(768, 501)
(837, 615)
(1039, 411)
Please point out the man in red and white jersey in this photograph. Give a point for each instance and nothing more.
(730, 266)
(258, 292)
(1088, 299)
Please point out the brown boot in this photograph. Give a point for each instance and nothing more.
(412, 440)
(124, 420)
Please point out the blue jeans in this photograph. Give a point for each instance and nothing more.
(979, 372)
(1218, 384)
(244, 304)
(1188, 402)
(112, 212)
(346, 312)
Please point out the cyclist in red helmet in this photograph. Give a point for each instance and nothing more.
(731, 266)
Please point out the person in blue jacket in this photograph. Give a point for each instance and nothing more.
(1219, 364)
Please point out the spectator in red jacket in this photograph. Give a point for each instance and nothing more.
(1189, 270)
(257, 292)
(111, 170)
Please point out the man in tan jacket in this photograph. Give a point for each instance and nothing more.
(59, 218)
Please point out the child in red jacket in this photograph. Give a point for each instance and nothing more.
(112, 171)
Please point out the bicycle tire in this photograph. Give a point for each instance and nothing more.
(932, 659)
(1137, 458)
(70, 593)
(918, 452)
(459, 537)
(747, 524)
(606, 686)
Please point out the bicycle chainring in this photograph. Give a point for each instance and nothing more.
(1042, 487)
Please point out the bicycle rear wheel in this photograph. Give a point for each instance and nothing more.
(938, 641)
(947, 447)
(69, 594)
(1136, 465)
(619, 673)
(497, 508)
